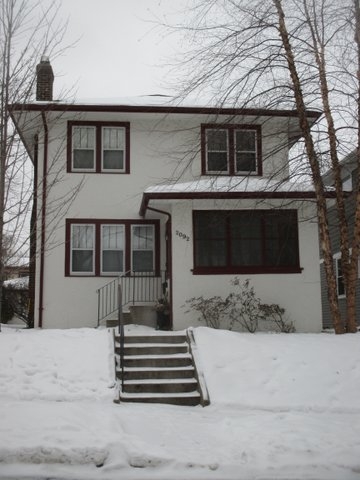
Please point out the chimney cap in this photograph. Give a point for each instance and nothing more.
(44, 59)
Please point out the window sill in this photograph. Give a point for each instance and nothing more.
(245, 270)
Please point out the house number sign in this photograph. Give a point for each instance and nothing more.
(182, 235)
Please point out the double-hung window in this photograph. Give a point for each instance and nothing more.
(231, 149)
(142, 248)
(260, 241)
(111, 247)
(82, 249)
(95, 147)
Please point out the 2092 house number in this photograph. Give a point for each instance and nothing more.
(182, 235)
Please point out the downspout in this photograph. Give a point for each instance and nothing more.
(169, 245)
(43, 216)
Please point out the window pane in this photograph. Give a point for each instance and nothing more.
(245, 162)
(246, 243)
(112, 261)
(143, 248)
(217, 162)
(143, 261)
(83, 159)
(113, 145)
(113, 160)
(143, 237)
(210, 253)
(217, 150)
(83, 148)
(82, 261)
(83, 236)
(113, 237)
(281, 240)
(112, 246)
(113, 138)
(216, 140)
(84, 137)
(245, 140)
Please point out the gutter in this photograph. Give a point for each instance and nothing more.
(206, 195)
(43, 217)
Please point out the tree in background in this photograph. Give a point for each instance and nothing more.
(301, 54)
(28, 29)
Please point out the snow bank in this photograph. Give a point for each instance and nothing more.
(55, 365)
(281, 371)
(283, 407)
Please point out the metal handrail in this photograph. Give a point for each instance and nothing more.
(137, 287)
(121, 334)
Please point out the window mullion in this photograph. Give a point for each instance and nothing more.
(231, 152)
(98, 150)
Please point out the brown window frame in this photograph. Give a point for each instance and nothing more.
(228, 240)
(231, 154)
(98, 223)
(98, 151)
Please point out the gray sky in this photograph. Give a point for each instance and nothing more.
(119, 51)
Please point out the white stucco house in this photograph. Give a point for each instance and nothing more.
(159, 194)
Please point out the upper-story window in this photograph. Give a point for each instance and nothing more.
(231, 149)
(95, 147)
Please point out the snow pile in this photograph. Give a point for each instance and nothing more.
(21, 283)
(281, 371)
(55, 365)
(283, 407)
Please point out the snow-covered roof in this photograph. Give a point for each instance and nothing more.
(232, 184)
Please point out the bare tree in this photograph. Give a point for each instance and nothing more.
(28, 29)
(302, 54)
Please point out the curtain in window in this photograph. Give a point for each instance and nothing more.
(82, 248)
(113, 144)
(83, 147)
(142, 248)
(113, 243)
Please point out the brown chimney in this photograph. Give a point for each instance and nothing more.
(45, 80)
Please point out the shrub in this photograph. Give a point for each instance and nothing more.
(242, 307)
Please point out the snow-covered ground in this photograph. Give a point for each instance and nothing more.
(282, 407)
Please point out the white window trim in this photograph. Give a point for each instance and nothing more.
(75, 272)
(74, 169)
(207, 151)
(113, 170)
(114, 273)
(139, 250)
(248, 172)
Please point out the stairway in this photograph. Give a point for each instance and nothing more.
(158, 368)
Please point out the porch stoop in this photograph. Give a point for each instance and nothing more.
(159, 368)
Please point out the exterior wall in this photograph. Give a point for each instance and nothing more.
(299, 294)
(160, 146)
(335, 245)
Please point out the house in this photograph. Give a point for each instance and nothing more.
(171, 197)
(348, 176)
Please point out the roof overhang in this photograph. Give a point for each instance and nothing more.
(166, 196)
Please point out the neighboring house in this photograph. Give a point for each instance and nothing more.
(177, 197)
(348, 175)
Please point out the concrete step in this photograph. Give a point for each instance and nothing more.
(160, 386)
(178, 360)
(188, 399)
(154, 338)
(156, 373)
(152, 349)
